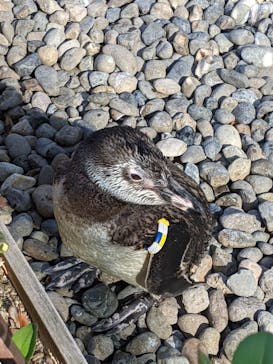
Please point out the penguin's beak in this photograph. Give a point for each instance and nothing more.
(179, 197)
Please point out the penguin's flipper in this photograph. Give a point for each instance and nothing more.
(164, 276)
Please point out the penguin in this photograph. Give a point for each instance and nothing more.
(122, 207)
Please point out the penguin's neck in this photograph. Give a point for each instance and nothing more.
(88, 200)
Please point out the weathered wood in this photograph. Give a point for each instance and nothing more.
(52, 329)
(9, 354)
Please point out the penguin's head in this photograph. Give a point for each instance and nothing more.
(124, 162)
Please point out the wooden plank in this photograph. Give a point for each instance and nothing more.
(52, 329)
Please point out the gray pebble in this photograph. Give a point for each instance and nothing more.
(195, 299)
(215, 173)
(244, 307)
(236, 239)
(234, 218)
(260, 184)
(152, 32)
(96, 119)
(39, 250)
(19, 200)
(121, 357)
(48, 79)
(27, 65)
(23, 127)
(181, 68)
(228, 135)
(156, 322)
(244, 113)
(45, 131)
(234, 78)
(17, 145)
(217, 310)
(100, 301)
(81, 316)
(211, 148)
(241, 36)
(254, 254)
(233, 339)
(224, 116)
(18, 181)
(147, 342)
(265, 321)
(6, 169)
(68, 135)
(21, 226)
(46, 175)
(266, 212)
(243, 283)
(191, 323)
(199, 112)
(193, 154)
(42, 198)
(258, 56)
(262, 167)
(161, 122)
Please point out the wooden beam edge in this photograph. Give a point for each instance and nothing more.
(52, 329)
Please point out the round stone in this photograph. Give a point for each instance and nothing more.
(100, 301)
(239, 169)
(123, 58)
(147, 342)
(166, 86)
(228, 135)
(195, 299)
(210, 337)
(42, 198)
(172, 147)
(122, 82)
(243, 283)
(48, 55)
(158, 324)
(161, 122)
(96, 119)
(72, 58)
(100, 346)
(104, 63)
(190, 323)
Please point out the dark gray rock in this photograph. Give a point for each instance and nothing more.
(6, 169)
(39, 250)
(100, 301)
(42, 198)
(181, 68)
(17, 145)
(19, 200)
(152, 32)
(27, 65)
(244, 113)
(48, 79)
(81, 316)
(10, 98)
(21, 226)
(68, 135)
(46, 175)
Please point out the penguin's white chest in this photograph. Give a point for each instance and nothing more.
(92, 244)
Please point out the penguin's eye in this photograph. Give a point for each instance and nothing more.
(136, 177)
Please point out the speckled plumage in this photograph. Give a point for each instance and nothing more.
(106, 229)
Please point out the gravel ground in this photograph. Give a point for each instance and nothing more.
(196, 77)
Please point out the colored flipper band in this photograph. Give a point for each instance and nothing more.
(160, 237)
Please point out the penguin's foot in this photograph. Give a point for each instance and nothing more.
(71, 273)
(129, 313)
